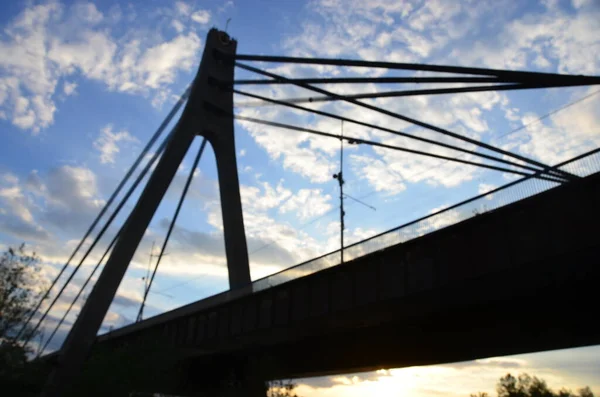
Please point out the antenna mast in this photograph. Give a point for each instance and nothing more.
(340, 177)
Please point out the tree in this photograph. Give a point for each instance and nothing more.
(528, 386)
(20, 289)
(281, 388)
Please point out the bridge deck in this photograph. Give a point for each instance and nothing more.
(514, 280)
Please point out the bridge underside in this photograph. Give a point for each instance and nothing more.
(516, 280)
(542, 306)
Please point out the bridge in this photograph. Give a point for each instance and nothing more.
(518, 279)
(512, 270)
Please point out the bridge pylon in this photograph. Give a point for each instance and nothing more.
(203, 115)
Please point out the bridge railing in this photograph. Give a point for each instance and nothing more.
(517, 190)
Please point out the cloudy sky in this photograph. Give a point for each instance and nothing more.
(84, 85)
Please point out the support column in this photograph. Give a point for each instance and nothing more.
(231, 209)
(218, 130)
(195, 118)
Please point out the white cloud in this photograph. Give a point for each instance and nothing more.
(201, 16)
(581, 3)
(315, 157)
(178, 26)
(289, 147)
(272, 244)
(398, 31)
(45, 209)
(433, 13)
(107, 143)
(16, 201)
(16, 211)
(542, 39)
(160, 63)
(379, 174)
(183, 8)
(486, 187)
(226, 5)
(562, 136)
(418, 168)
(88, 12)
(506, 362)
(255, 200)
(438, 32)
(10, 178)
(307, 203)
(45, 43)
(73, 187)
(69, 88)
(64, 199)
(402, 31)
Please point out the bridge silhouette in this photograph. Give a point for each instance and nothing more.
(512, 270)
(518, 279)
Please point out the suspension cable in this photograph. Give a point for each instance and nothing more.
(171, 226)
(91, 275)
(103, 230)
(136, 163)
(510, 75)
(373, 80)
(406, 93)
(409, 120)
(399, 133)
(554, 111)
(398, 148)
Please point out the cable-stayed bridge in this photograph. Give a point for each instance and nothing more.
(455, 285)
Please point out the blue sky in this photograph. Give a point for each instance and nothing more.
(84, 85)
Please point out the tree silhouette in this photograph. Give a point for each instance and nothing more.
(20, 289)
(281, 388)
(527, 386)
